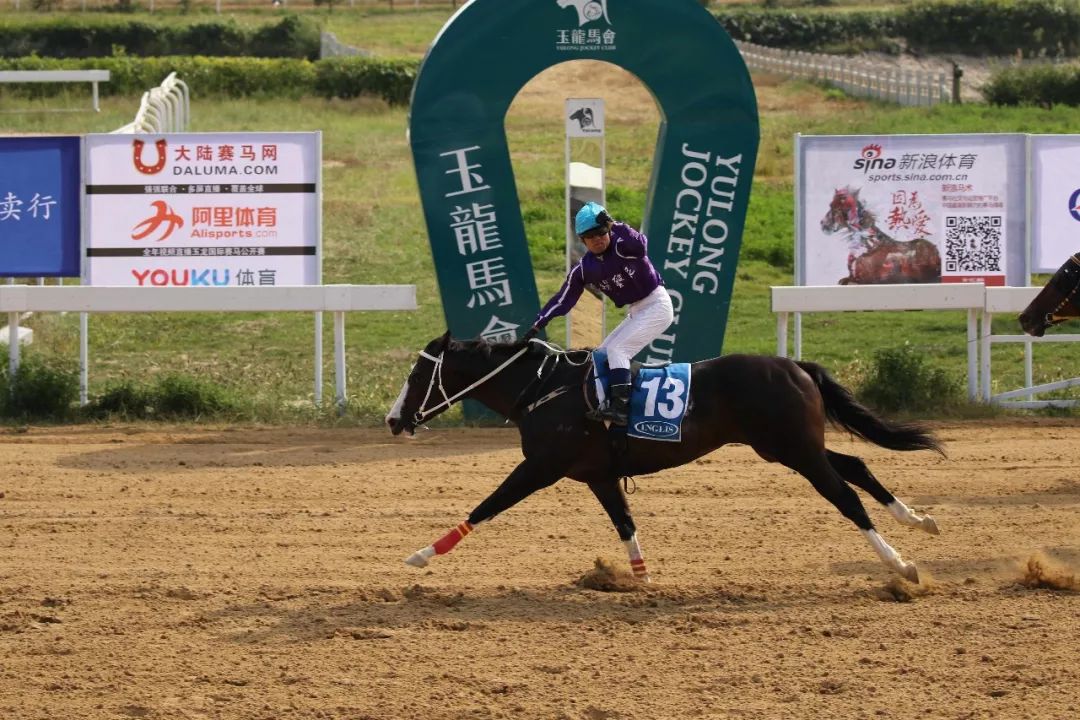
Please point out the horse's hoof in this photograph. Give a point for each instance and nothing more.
(909, 572)
(929, 525)
(417, 559)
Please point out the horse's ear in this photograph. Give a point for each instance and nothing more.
(444, 340)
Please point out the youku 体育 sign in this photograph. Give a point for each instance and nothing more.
(702, 167)
(203, 209)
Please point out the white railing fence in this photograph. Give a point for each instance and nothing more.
(1012, 300)
(16, 300)
(330, 46)
(979, 302)
(966, 297)
(165, 108)
(861, 78)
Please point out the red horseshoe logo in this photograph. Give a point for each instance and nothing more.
(137, 148)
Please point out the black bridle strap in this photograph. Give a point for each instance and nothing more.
(1052, 316)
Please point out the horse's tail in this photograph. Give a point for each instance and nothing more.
(845, 411)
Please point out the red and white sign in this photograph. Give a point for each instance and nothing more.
(203, 209)
(910, 209)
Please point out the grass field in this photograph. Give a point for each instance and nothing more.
(374, 233)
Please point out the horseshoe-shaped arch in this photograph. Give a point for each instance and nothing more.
(702, 167)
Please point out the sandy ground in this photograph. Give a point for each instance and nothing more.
(257, 573)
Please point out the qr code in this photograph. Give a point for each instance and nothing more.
(973, 243)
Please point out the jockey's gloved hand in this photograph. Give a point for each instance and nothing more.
(530, 333)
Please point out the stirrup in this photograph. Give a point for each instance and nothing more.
(596, 413)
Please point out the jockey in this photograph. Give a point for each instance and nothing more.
(618, 265)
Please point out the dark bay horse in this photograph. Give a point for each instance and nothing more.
(1058, 301)
(875, 258)
(777, 406)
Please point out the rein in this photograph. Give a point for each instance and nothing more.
(555, 355)
(1052, 318)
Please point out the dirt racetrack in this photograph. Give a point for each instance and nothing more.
(186, 572)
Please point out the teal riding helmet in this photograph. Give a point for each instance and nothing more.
(589, 218)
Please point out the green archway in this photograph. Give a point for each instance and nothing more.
(702, 167)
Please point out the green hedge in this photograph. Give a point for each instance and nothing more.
(293, 36)
(1043, 85)
(995, 27)
(972, 27)
(348, 77)
(810, 29)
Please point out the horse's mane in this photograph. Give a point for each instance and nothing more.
(486, 348)
(483, 348)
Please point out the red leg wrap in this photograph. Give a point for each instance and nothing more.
(447, 542)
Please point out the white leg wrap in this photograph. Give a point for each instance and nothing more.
(890, 557)
(906, 516)
(420, 557)
(637, 561)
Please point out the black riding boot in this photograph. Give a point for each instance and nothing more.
(618, 410)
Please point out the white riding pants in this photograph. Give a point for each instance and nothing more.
(646, 319)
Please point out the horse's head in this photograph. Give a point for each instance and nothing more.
(1058, 301)
(845, 212)
(449, 370)
(407, 410)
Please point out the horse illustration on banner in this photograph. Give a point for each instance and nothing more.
(587, 10)
(875, 258)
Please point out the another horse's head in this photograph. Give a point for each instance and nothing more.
(846, 212)
(1058, 301)
(446, 371)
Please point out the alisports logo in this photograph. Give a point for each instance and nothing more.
(587, 10)
(163, 219)
(1074, 205)
(870, 159)
(157, 163)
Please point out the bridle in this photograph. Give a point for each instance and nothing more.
(423, 412)
(1052, 317)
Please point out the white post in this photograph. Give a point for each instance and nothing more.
(972, 354)
(583, 120)
(798, 336)
(318, 359)
(781, 334)
(1028, 382)
(84, 358)
(96, 107)
(13, 344)
(985, 370)
(339, 359)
